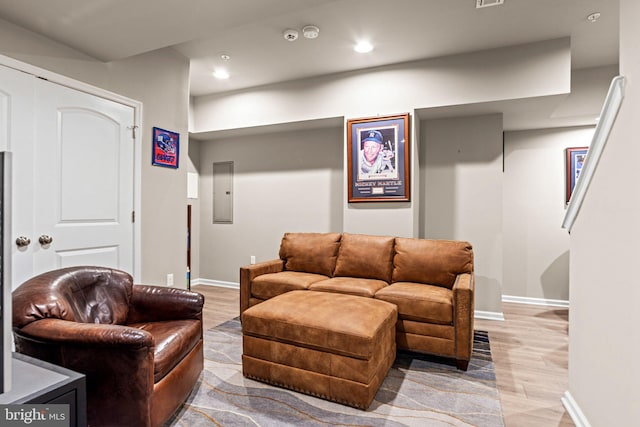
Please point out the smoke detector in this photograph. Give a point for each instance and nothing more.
(487, 3)
(290, 35)
(311, 32)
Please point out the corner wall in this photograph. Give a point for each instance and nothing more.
(461, 169)
(536, 248)
(603, 326)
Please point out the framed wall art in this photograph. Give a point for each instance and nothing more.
(378, 159)
(573, 164)
(166, 148)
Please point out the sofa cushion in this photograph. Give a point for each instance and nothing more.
(436, 262)
(420, 302)
(369, 257)
(350, 285)
(269, 285)
(310, 252)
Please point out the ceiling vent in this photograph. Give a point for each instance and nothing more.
(487, 3)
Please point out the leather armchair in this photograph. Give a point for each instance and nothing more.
(139, 346)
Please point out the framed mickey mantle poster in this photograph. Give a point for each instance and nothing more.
(378, 159)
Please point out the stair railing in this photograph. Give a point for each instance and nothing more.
(603, 128)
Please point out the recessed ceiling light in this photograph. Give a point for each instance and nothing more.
(363, 47)
(593, 17)
(221, 73)
(225, 57)
(487, 3)
(311, 32)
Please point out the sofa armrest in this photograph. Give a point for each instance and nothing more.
(250, 272)
(155, 303)
(463, 309)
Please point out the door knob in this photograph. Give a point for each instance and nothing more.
(22, 241)
(45, 240)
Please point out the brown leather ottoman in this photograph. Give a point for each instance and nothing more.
(335, 346)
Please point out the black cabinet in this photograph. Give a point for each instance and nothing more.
(38, 382)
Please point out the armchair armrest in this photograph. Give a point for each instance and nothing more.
(250, 272)
(463, 310)
(155, 303)
(118, 361)
(65, 332)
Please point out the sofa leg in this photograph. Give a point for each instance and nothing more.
(462, 364)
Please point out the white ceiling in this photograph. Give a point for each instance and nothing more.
(251, 32)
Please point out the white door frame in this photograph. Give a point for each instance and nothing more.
(137, 111)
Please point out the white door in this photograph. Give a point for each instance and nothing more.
(83, 180)
(73, 184)
(16, 135)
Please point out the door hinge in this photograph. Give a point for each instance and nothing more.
(133, 130)
(133, 216)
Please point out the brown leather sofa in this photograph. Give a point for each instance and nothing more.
(139, 346)
(430, 281)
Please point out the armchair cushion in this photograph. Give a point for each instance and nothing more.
(173, 341)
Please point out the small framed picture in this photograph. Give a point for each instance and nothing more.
(378, 159)
(166, 148)
(574, 161)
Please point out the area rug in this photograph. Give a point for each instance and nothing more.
(418, 391)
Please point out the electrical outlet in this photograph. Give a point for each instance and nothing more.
(170, 279)
(253, 259)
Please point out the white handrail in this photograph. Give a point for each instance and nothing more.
(600, 136)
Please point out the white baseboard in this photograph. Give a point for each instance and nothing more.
(488, 315)
(536, 301)
(218, 283)
(574, 411)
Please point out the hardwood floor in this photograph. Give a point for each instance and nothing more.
(220, 304)
(530, 354)
(529, 350)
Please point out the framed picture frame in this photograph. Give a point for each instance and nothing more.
(165, 148)
(378, 159)
(574, 160)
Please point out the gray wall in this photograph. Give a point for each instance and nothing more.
(536, 249)
(160, 81)
(491, 75)
(470, 208)
(604, 289)
(283, 182)
(461, 169)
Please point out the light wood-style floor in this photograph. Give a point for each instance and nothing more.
(529, 350)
